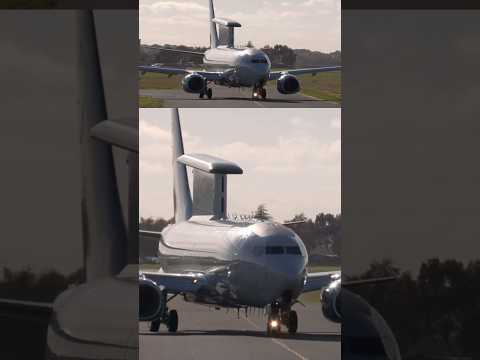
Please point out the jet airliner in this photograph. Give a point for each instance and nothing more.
(211, 259)
(227, 65)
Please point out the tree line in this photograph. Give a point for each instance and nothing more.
(25, 284)
(323, 232)
(434, 315)
(280, 56)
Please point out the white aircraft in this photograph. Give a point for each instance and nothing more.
(233, 67)
(211, 259)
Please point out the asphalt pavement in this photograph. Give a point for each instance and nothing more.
(225, 97)
(206, 333)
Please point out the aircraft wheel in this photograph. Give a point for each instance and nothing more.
(155, 325)
(263, 93)
(209, 93)
(272, 330)
(292, 322)
(172, 321)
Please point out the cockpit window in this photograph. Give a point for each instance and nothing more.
(294, 250)
(259, 61)
(274, 250)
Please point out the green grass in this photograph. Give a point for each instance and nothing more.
(149, 102)
(323, 86)
(160, 81)
(149, 267)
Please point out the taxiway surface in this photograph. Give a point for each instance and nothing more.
(234, 98)
(208, 334)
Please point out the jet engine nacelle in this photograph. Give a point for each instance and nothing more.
(194, 83)
(288, 84)
(330, 299)
(151, 299)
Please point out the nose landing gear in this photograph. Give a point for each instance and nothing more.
(281, 315)
(259, 92)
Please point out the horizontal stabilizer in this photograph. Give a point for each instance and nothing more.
(210, 164)
(227, 22)
(116, 134)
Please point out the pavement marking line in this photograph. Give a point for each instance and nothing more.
(285, 347)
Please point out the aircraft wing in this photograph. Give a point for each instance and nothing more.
(275, 75)
(209, 75)
(18, 309)
(162, 70)
(176, 50)
(176, 283)
(319, 280)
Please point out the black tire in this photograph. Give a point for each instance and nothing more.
(172, 321)
(264, 94)
(270, 330)
(155, 325)
(292, 322)
(209, 93)
(201, 95)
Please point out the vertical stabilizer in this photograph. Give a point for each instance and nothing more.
(213, 27)
(104, 232)
(182, 200)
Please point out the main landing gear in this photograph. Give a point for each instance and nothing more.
(169, 318)
(281, 315)
(259, 92)
(208, 92)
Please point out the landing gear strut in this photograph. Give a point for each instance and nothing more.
(281, 315)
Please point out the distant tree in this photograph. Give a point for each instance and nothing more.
(262, 213)
(298, 217)
(151, 224)
(281, 54)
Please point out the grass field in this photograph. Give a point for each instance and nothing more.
(324, 86)
(149, 102)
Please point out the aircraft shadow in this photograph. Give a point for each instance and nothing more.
(262, 101)
(323, 336)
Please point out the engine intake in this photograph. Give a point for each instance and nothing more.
(288, 84)
(193, 83)
(330, 299)
(151, 300)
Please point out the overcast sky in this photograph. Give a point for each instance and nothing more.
(290, 158)
(305, 24)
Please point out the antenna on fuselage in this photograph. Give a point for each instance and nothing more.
(182, 200)
(210, 183)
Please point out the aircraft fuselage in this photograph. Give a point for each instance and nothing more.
(248, 264)
(244, 67)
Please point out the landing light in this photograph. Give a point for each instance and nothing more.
(274, 323)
